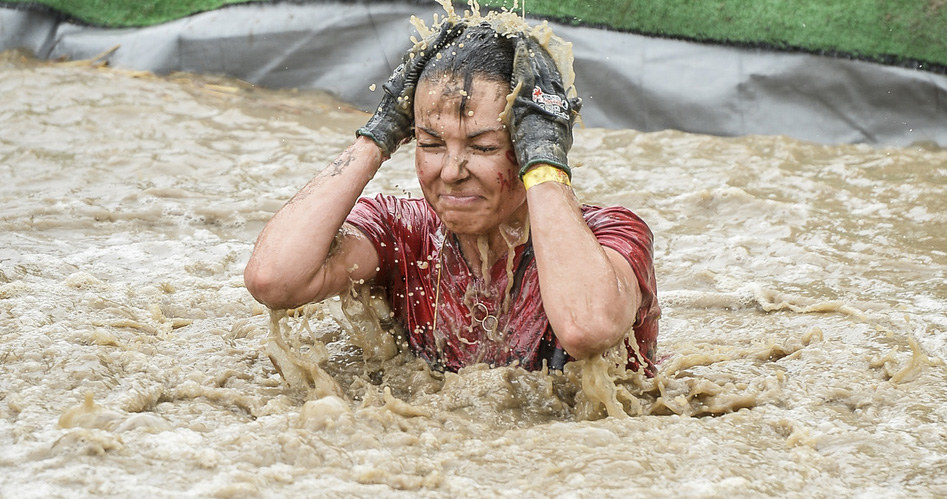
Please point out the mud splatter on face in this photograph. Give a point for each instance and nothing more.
(510, 155)
(468, 88)
(505, 179)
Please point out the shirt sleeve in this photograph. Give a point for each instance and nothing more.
(397, 227)
(375, 217)
(623, 231)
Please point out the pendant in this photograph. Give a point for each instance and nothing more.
(489, 323)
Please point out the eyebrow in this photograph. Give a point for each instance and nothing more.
(473, 135)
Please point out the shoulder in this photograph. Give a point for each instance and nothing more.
(398, 228)
(621, 230)
(614, 218)
(616, 227)
(383, 212)
(389, 205)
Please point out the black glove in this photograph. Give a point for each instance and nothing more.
(393, 121)
(542, 113)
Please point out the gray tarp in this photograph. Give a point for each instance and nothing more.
(625, 80)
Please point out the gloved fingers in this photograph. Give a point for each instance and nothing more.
(542, 86)
(416, 57)
(447, 34)
(541, 61)
(406, 76)
(524, 75)
(542, 114)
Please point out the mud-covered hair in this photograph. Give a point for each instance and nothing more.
(478, 51)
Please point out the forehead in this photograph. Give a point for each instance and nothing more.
(476, 98)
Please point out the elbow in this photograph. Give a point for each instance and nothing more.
(270, 289)
(588, 338)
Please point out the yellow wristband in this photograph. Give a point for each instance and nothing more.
(544, 173)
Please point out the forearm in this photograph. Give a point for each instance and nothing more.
(288, 261)
(589, 300)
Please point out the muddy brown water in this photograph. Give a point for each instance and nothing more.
(803, 336)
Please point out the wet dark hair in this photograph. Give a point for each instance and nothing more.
(478, 51)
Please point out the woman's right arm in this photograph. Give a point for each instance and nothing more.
(296, 260)
(298, 257)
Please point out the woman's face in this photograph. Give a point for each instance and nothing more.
(464, 155)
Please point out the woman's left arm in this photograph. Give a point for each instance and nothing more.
(590, 292)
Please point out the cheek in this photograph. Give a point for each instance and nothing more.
(423, 169)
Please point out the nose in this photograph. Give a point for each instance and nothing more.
(455, 168)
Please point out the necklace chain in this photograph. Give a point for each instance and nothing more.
(478, 312)
(437, 292)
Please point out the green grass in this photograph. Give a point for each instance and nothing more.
(905, 32)
(893, 31)
(127, 13)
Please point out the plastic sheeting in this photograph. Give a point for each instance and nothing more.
(626, 80)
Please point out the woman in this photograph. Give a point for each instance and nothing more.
(499, 263)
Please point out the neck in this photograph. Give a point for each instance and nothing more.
(483, 250)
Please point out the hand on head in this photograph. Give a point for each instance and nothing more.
(393, 121)
(542, 115)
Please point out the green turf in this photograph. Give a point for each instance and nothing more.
(905, 32)
(894, 31)
(127, 13)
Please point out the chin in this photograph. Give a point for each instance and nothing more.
(463, 228)
(466, 224)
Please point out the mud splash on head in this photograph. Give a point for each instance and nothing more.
(504, 23)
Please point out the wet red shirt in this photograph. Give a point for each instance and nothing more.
(479, 321)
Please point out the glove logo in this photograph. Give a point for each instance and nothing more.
(551, 103)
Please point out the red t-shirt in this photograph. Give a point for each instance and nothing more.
(420, 265)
